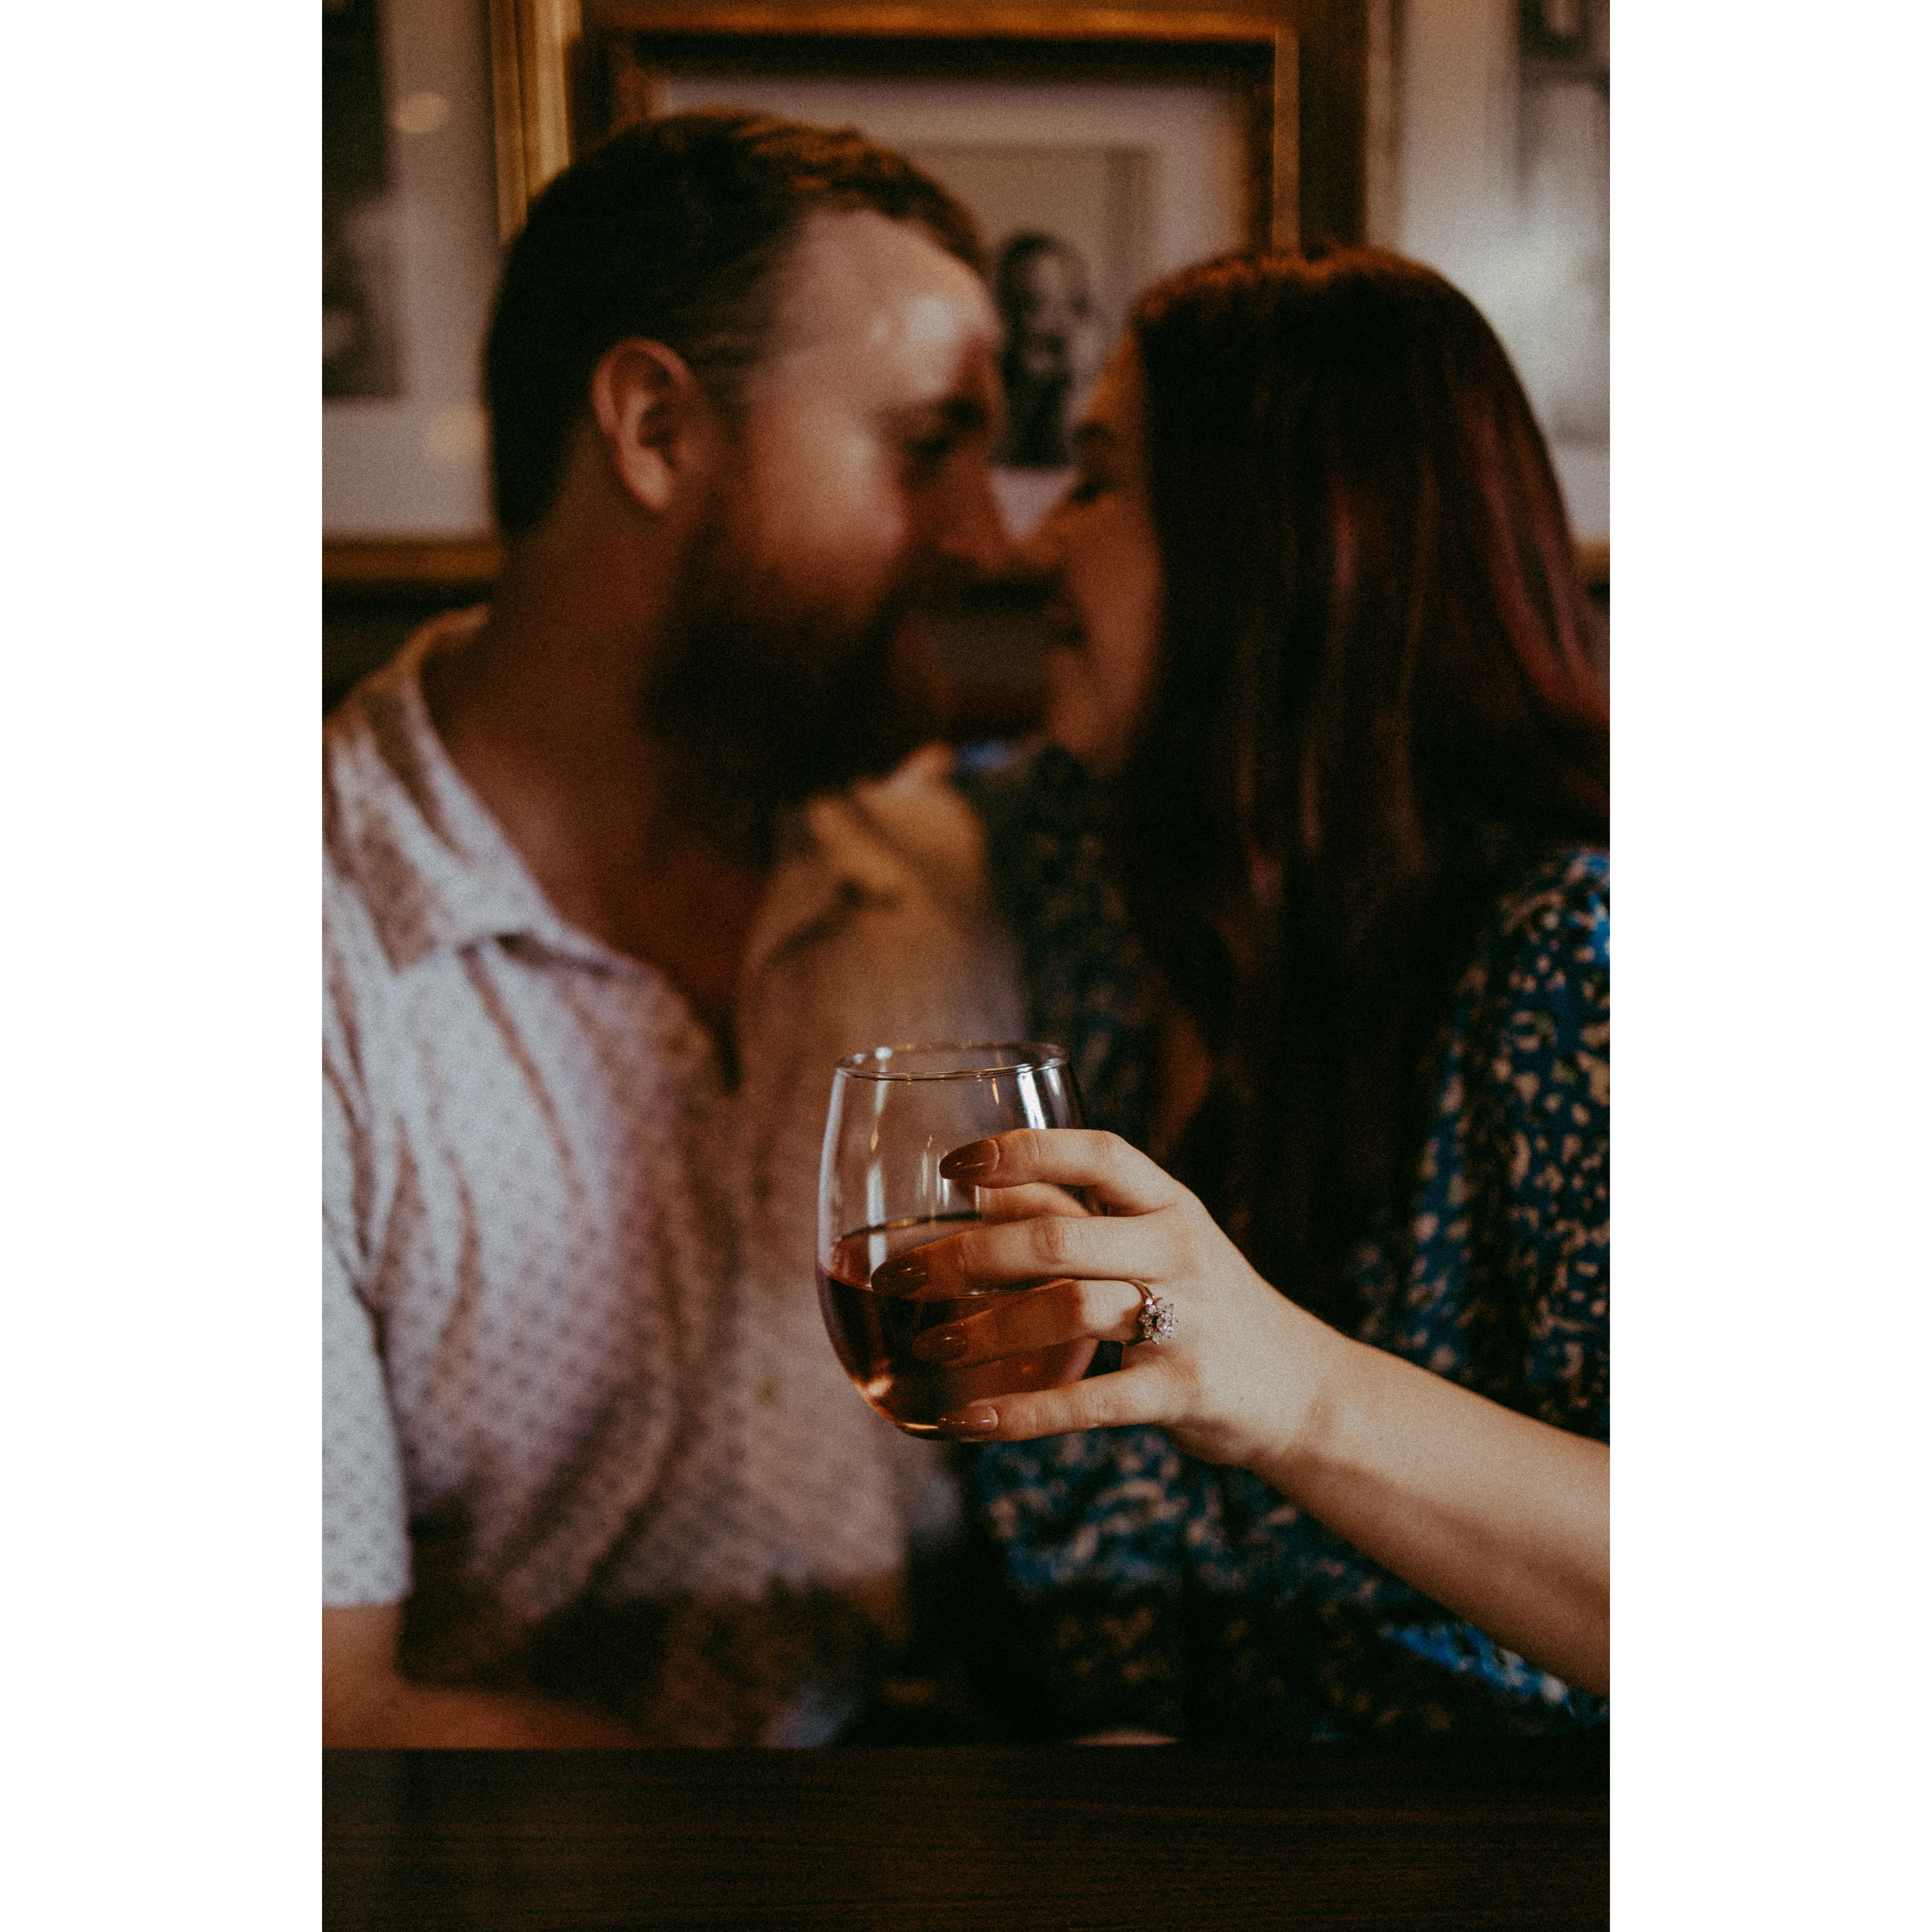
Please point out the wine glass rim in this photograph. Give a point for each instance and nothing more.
(1022, 1056)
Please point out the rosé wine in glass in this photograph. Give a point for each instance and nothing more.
(896, 1112)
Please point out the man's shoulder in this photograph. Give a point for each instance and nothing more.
(912, 822)
(363, 748)
(358, 980)
(353, 777)
(366, 759)
(404, 837)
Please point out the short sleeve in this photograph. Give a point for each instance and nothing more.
(365, 1544)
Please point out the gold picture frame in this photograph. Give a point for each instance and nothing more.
(629, 44)
(533, 47)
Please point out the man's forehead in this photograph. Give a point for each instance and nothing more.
(856, 280)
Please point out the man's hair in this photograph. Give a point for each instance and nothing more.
(674, 230)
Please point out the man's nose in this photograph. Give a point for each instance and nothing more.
(977, 533)
(1035, 558)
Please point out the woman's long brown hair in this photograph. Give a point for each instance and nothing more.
(1374, 698)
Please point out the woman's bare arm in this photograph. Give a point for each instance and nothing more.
(1500, 1518)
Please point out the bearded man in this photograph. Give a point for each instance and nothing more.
(605, 898)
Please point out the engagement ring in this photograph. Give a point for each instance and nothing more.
(1156, 1319)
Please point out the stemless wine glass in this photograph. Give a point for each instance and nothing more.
(896, 1112)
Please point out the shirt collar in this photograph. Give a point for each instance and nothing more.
(437, 871)
(435, 867)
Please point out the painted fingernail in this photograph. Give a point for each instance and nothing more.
(906, 1275)
(982, 1419)
(941, 1344)
(973, 1162)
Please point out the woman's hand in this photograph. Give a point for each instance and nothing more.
(1234, 1383)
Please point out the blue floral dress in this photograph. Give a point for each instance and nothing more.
(1165, 1593)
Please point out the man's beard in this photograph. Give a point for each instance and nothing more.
(771, 691)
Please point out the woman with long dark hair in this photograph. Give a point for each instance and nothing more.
(1323, 640)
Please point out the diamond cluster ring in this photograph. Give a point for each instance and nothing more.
(1157, 1316)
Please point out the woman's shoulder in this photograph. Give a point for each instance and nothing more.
(1042, 813)
(1546, 944)
(1029, 790)
(1560, 893)
(1537, 987)
(1086, 980)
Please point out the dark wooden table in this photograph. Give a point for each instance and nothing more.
(1418, 1836)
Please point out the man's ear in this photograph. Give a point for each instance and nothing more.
(652, 414)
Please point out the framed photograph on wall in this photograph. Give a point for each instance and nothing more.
(440, 118)
(1096, 151)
